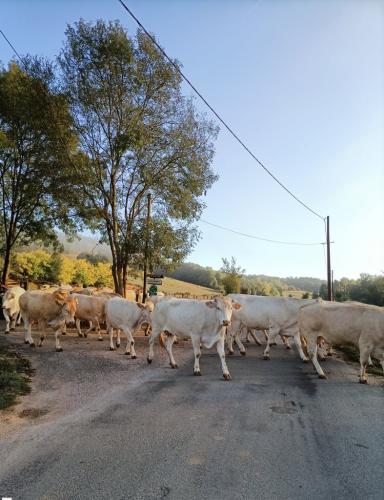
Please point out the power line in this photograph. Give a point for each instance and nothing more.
(259, 237)
(12, 47)
(230, 130)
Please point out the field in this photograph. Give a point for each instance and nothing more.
(171, 286)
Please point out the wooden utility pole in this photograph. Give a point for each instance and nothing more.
(146, 247)
(329, 273)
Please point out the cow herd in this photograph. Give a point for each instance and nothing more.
(314, 325)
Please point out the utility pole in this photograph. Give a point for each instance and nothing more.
(329, 275)
(146, 247)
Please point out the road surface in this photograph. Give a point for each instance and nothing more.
(274, 432)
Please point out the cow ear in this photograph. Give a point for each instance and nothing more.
(236, 305)
(211, 304)
(142, 306)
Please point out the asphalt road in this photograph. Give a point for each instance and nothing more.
(274, 432)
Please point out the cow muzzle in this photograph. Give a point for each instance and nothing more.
(226, 322)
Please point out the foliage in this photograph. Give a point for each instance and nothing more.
(91, 258)
(40, 266)
(34, 151)
(139, 135)
(14, 372)
(231, 275)
(194, 273)
(368, 289)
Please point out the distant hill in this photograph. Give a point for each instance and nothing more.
(86, 244)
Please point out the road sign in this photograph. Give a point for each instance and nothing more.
(154, 281)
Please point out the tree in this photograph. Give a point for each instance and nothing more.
(35, 140)
(232, 275)
(139, 135)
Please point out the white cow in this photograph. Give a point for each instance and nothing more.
(340, 324)
(47, 309)
(202, 321)
(90, 308)
(278, 315)
(11, 307)
(126, 316)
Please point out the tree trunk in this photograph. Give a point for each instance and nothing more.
(7, 260)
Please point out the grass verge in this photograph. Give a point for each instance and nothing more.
(351, 353)
(15, 372)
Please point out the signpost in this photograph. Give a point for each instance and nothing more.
(154, 281)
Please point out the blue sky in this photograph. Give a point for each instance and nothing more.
(302, 83)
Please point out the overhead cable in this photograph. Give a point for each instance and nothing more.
(259, 237)
(230, 130)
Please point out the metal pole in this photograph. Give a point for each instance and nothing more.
(329, 277)
(146, 248)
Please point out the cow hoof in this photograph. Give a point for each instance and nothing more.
(32, 344)
(134, 357)
(266, 357)
(111, 348)
(288, 347)
(127, 353)
(305, 360)
(25, 341)
(226, 376)
(231, 353)
(173, 366)
(329, 354)
(149, 361)
(197, 373)
(243, 353)
(117, 345)
(6, 333)
(63, 333)
(85, 335)
(80, 335)
(100, 339)
(363, 381)
(323, 376)
(59, 349)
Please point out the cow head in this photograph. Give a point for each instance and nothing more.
(224, 307)
(145, 313)
(67, 306)
(9, 300)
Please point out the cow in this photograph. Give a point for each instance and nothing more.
(89, 308)
(47, 309)
(202, 321)
(11, 307)
(128, 317)
(337, 323)
(278, 315)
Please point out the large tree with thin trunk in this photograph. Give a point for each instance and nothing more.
(36, 141)
(139, 135)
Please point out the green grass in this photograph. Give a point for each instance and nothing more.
(14, 375)
(351, 353)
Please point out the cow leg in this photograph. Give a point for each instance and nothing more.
(197, 353)
(28, 339)
(312, 353)
(110, 333)
(118, 333)
(229, 338)
(299, 346)
(130, 349)
(370, 362)
(7, 321)
(18, 320)
(41, 327)
(13, 321)
(155, 333)
(170, 339)
(147, 330)
(273, 333)
(240, 344)
(57, 338)
(252, 333)
(98, 330)
(221, 352)
(78, 328)
(285, 340)
(89, 329)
